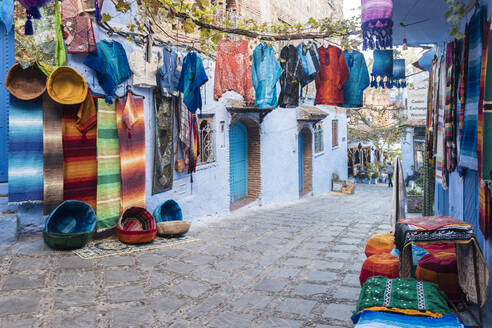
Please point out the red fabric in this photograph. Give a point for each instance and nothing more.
(380, 243)
(233, 70)
(332, 76)
(385, 265)
(430, 223)
(438, 247)
(77, 25)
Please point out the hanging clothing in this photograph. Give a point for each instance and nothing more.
(80, 152)
(170, 72)
(111, 66)
(310, 61)
(77, 25)
(382, 69)
(144, 72)
(450, 111)
(441, 174)
(292, 75)
(332, 76)
(232, 70)
(7, 14)
(358, 79)
(377, 24)
(163, 156)
(468, 143)
(131, 133)
(265, 72)
(193, 76)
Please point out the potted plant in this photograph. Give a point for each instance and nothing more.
(375, 176)
(336, 183)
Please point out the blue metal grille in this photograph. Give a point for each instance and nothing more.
(238, 161)
(7, 60)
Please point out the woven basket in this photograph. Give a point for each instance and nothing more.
(173, 228)
(136, 226)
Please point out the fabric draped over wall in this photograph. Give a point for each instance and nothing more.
(78, 28)
(163, 156)
(53, 154)
(131, 133)
(25, 151)
(108, 167)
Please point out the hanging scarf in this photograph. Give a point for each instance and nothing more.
(108, 167)
(377, 24)
(77, 25)
(484, 206)
(7, 14)
(382, 69)
(450, 111)
(53, 154)
(398, 77)
(32, 11)
(79, 152)
(163, 158)
(25, 151)
(183, 133)
(131, 132)
(441, 174)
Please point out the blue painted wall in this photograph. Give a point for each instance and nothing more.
(7, 43)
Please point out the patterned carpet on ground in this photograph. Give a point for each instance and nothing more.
(112, 246)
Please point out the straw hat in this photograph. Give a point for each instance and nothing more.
(25, 84)
(67, 86)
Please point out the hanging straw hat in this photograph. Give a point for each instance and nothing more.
(25, 84)
(67, 86)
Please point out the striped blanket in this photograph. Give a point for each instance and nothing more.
(25, 151)
(108, 167)
(468, 139)
(374, 319)
(441, 176)
(53, 154)
(79, 152)
(131, 132)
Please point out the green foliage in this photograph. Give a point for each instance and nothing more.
(105, 18)
(454, 15)
(414, 192)
(335, 177)
(122, 6)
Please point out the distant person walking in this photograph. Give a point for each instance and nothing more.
(390, 169)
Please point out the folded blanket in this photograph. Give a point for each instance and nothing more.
(373, 319)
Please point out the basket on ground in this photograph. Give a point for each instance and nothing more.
(70, 225)
(136, 226)
(169, 218)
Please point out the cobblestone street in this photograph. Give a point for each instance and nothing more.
(295, 265)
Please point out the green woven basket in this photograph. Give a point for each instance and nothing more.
(67, 240)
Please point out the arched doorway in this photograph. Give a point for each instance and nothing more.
(305, 152)
(238, 162)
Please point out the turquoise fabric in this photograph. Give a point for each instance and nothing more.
(111, 66)
(192, 77)
(358, 79)
(7, 14)
(265, 71)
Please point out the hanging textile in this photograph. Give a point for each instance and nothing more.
(382, 69)
(111, 66)
(170, 72)
(441, 174)
(484, 206)
(486, 162)
(308, 52)
(53, 154)
(292, 74)
(108, 167)
(193, 76)
(7, 14)
(233, 70)
(25, 151)
(79, 152)
(332, 76)
(358, 80)
(450, 111)
(32, 11)
(468, 143)
(183, 117)
(398, 76)
(163, 156)
(77, 25)
(377, 24)
(463, 84)
(429, 181)
(265, 72)
(144, 72)
(131, 132)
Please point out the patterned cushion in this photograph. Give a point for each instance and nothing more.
(385, 265)
(380, 243)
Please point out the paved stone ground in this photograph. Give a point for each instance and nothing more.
(295, 265)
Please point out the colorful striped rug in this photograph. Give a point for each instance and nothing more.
(53, 154)
(468, 140)
(131, 132)
(108, 167)
(25, 151)
(79, 153)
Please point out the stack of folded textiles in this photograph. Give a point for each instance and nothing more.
(403, 302)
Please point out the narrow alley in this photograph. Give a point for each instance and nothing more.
(295, 265)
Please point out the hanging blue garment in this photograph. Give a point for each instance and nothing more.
(111, 66)
(399, 73)
(170, 72)
(310, 61)
(7, 14)
(358, 79)
(192, 77)
(265, 72)
(382, 69)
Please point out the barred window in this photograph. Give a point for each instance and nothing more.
(318, 138)
(206, 141)
(334, 133)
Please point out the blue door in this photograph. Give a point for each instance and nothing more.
(300, 153)
(6, 61)
(238, 161)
